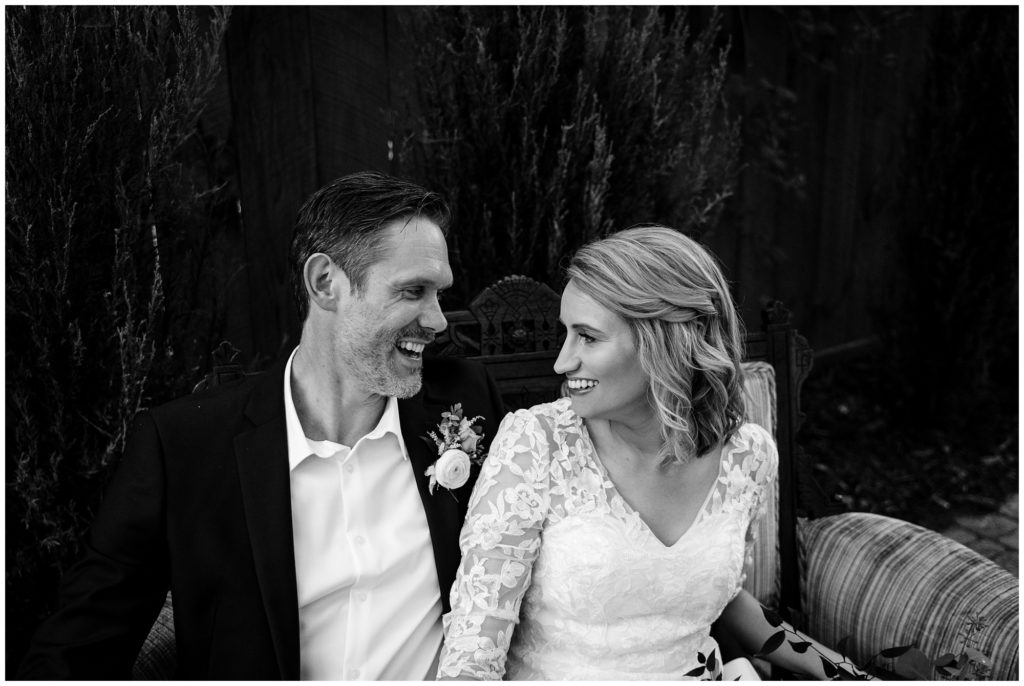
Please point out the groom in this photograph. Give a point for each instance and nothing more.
(289, 513)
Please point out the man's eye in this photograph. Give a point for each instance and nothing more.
(413, 293)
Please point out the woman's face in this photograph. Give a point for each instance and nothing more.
(600, 361)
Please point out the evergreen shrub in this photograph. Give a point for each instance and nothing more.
(549, 126)
(113, 210)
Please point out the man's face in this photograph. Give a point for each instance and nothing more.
(385, 328)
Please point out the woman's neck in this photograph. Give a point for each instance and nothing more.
(637, 440)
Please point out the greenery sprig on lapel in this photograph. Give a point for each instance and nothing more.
(459, 443)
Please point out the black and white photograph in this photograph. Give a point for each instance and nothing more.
(532, 342)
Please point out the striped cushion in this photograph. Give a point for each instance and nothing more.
(885, 582)
(762, 571)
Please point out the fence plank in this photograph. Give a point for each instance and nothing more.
(351, 89)
(275, 135)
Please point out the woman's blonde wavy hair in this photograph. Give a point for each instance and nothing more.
(672, 294)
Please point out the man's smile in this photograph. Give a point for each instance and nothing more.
(411, 349)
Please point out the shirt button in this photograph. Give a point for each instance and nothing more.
(353, 674)
(361, 597)
(349, 468)
(360, 540)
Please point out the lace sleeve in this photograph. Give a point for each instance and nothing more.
(500, 541)
(764, 471)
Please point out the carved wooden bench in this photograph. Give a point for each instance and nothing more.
(867, 581)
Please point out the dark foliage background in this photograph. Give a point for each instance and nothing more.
(115, 216)
(928, 425)
(960, 241)
(548, 126)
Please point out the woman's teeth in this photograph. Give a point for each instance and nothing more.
(581, 384)
(411, 349)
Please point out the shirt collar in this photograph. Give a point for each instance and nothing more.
(300, 447)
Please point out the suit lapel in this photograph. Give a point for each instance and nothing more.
(442, 509)
(262, 455)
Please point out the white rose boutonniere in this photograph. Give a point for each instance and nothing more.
(458, 445)
(450, 471)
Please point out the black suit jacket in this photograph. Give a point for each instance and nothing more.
(201, 504)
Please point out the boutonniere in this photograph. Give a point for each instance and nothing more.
(458, 445)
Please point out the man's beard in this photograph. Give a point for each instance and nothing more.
(372, 361)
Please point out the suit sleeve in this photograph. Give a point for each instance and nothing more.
(495, 393)
(110, 598)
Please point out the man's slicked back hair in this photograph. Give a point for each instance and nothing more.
(344, 219)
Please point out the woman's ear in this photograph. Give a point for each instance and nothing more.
(325, 282)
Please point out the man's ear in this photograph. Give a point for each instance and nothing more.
(325, 282)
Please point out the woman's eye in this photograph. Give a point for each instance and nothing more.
(586, 337)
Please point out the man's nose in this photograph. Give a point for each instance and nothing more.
(433, 318)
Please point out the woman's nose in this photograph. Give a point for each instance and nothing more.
(567, 360)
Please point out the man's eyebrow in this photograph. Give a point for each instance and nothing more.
(421, 281)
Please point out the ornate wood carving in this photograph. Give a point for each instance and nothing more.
(225, 367)
(517, 315)
(791, 356)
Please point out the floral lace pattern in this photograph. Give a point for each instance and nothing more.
(603, 598)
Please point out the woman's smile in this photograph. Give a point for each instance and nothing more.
(580, 386)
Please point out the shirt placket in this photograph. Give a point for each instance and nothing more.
(354, 497)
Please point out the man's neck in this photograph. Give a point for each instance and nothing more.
(331, 407)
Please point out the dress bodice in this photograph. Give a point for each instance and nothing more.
(564, 579)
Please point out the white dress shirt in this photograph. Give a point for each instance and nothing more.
(369, 601)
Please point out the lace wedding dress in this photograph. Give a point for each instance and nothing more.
(601, 596)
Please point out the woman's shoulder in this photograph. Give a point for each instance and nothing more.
(551, 427)
(751, 432)
(554, 417)
(539, 434)
(754, 441)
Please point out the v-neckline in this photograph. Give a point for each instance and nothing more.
(631, 510)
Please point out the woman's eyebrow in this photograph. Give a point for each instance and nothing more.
(580, 325)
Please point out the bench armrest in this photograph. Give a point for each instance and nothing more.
(884, 582)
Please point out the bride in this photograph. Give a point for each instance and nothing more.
(609, 529)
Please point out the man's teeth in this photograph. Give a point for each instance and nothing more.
(410, 347)
(581, 384)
